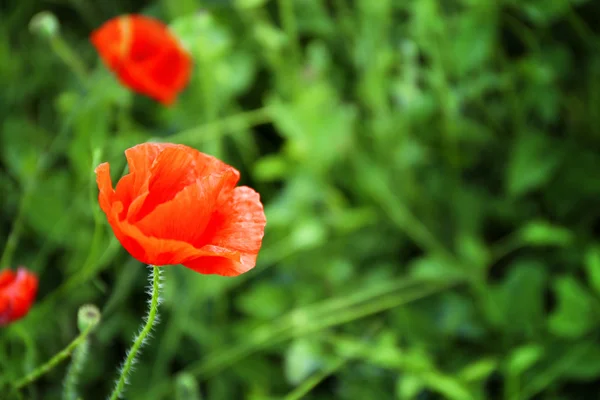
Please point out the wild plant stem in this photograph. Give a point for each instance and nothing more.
(77, 363)
(54, 361)
(140, 338)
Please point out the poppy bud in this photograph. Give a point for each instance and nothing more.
(44, 24)
(88, 315)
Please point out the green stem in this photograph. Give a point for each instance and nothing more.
(211, 130)
(140, 338)
(69, 57)
(288, 20)
(305, 387)
(54, 361)
(77, 362)
(15, 233)
(30, 187)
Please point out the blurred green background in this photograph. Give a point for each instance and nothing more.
(431, 176)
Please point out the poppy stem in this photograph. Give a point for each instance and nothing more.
(86, 316)
(140, 338)
(77, 362)
(54, 361)
(67, 55)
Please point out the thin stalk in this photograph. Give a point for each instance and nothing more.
(77, 363)
(140, 338)
(54, 361)
(305, 387)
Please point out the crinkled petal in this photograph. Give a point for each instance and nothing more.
(175, 168)
(186, 216)
(240, 222)
(152, 250)
(237, 226)
(106, 195)
(223, 266)
(139, 160)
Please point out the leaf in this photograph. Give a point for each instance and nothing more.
(574, 316)
(408, 386)
(523, 297)
(592, 267)
(202, 35)
(534, 161)
(248, 4)
(587, 366)
(264, 301)
(21, 146)
(543, 12)
(542, 233)
(478, 370)
(523, 358)
(473, 43)
(271, 168)
(302, 358)
(434, 269)
(316, 125)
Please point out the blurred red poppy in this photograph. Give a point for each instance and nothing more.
(144, 55)
(17, 294)
(180, 206)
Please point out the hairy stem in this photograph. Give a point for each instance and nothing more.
(72, 377)
(140, 338)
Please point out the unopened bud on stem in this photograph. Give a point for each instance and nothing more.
(88, 315)
(44, 24)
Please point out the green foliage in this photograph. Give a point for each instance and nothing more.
(430, 172)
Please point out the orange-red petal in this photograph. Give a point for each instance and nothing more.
(175, 168)
(238, 226)
(144, 55)
(180, 206)
(17, 294)
(195, 202)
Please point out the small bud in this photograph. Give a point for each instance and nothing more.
(186, 387)
(44, 24)
(88, 315)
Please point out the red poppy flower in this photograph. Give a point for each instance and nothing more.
(180, 206)
(17, 293)
(144, 55)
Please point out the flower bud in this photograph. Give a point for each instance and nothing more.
(88, 315)
(44, 24)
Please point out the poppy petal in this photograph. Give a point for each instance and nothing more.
(17, 294)
(148, 38)
(195, 202)
(106, 196)
(108, 40)
(6, 277)
(237, 226)
(156, 251)
(139, 160)
(222, 266)
(144, 55)
(174, 169)
(241, 222)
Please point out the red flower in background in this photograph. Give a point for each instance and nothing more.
(144, 55)
(180, 206)
(17, 294)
